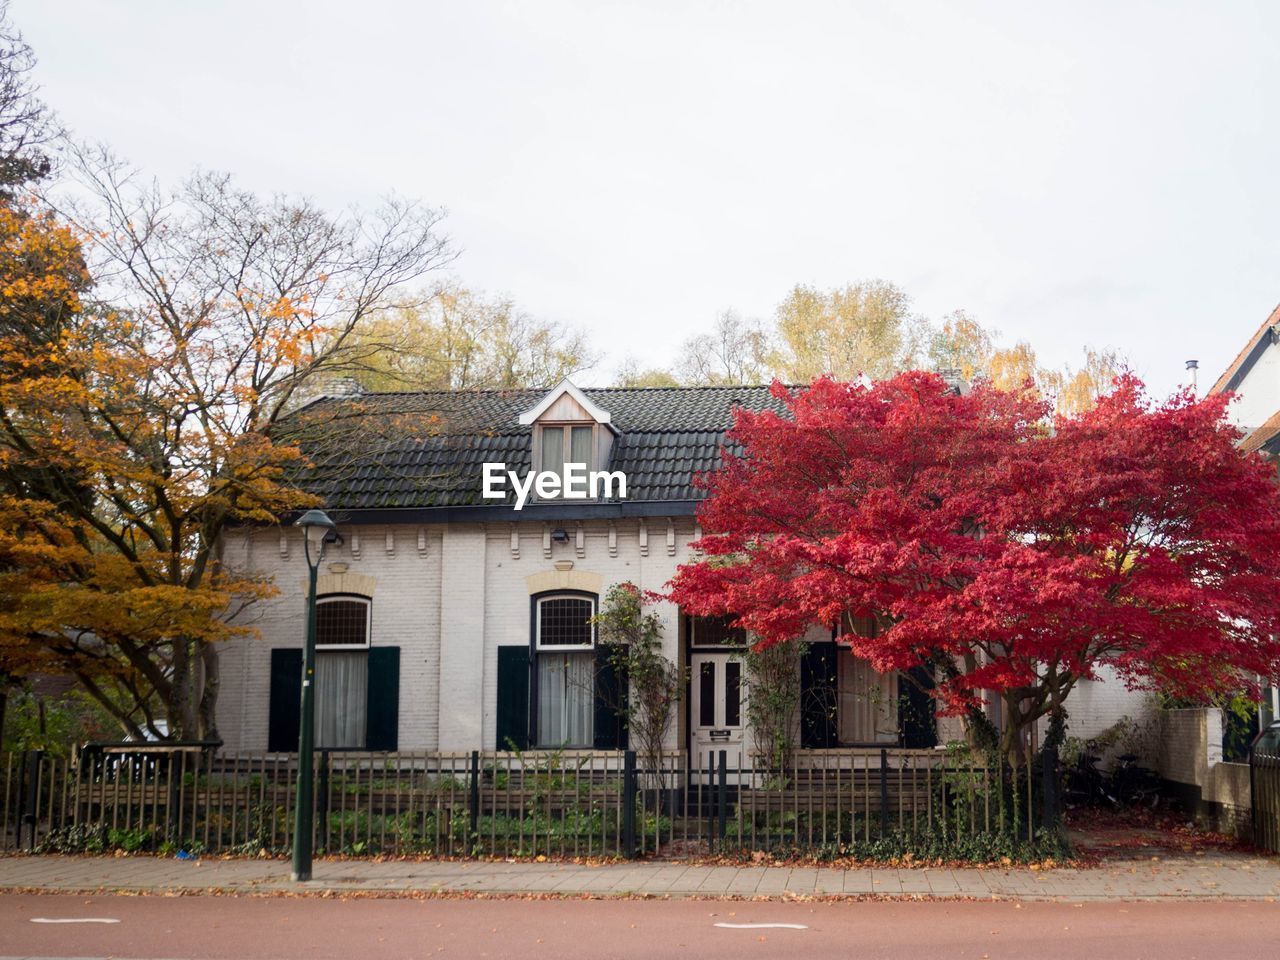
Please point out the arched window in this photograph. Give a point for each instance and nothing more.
(357, 682)
(564, 645)
(342, 671)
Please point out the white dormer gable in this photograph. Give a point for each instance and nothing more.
(569, 433)
(566, 402)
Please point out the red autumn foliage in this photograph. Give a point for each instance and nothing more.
(1013, 552)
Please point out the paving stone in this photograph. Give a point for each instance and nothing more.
(858, 882)
(1232, 876)
(830, 881)
(803, 880)
(774, 880)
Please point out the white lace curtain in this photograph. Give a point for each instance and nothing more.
(342, 688)
(566, 699)
(868, 702)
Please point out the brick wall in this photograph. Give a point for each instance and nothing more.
(649, 562)
(464, 593)
(1095, 705)
(449, 595)
(1190, 742)
(405, 612)
(447, 606)
(1214, 792)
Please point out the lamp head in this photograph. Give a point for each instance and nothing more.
(316, 527)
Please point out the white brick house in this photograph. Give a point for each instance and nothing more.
(450, 622)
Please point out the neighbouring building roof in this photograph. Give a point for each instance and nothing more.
(1245, 359)
(425, 451)
(1261, 437)
(1261, 433)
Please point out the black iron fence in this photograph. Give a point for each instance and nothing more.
(194, 799)
(1264, 790)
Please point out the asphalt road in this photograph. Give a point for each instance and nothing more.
(253, 927)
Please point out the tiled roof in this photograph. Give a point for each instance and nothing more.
(1224, 382)
(423, 450)
(1262, 434)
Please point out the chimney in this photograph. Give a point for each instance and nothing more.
(1192, 367)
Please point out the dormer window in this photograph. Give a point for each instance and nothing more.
(570, 429)
(563, 444)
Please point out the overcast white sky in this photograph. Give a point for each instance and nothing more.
(1074, 173)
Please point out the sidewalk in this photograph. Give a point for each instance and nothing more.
(1227, 876)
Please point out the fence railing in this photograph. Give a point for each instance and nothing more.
(508, 804)
(1264, 791)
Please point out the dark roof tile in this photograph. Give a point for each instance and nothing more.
(433, 444)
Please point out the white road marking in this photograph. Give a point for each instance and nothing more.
(73, 920)
(763, 926)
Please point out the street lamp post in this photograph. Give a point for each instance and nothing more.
(316, 525)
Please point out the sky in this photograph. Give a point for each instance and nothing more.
(1069, 174)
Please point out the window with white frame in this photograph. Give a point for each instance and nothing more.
(342, 622)
(564, 646)
(342, 671)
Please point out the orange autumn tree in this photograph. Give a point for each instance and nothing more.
(41, 278)
(80, 591)
(142, 416)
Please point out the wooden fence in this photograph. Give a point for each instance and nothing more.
(508, 804)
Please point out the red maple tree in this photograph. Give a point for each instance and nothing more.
(1010, 553)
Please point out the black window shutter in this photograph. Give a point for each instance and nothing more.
(818, 696)
(383, 719)
(916, 710)
(611, 704)
(513, 698)
(284, 711)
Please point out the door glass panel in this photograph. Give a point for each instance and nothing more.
(732, 693)
(707, 694)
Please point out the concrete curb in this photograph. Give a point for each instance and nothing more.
(1217, 878)
(360, 893)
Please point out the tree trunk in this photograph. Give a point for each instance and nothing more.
(208, 710)
(1013, 737)
(182, 699)
(1051, 804)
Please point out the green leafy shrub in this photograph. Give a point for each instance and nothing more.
(95, 838)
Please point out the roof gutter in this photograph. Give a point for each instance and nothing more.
(613, 510)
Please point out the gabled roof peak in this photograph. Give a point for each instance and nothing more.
(1245, 359)
(597, 413)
